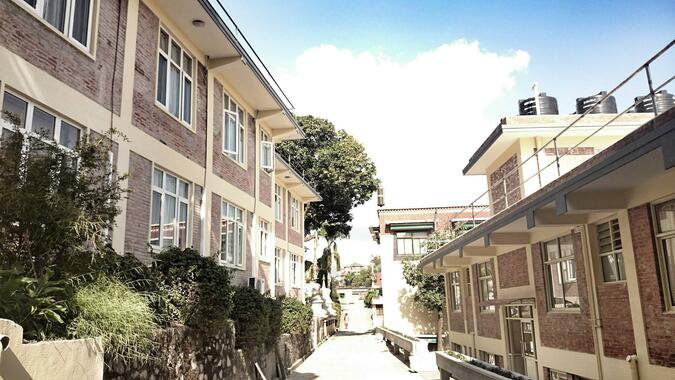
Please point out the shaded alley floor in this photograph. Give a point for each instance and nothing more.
(350, 355)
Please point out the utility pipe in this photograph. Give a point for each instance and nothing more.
(633, 363)
(593, 300)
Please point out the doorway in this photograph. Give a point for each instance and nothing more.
(522, 350)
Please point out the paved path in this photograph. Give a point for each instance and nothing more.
(350, 355)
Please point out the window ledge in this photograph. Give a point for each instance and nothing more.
(180, 121)
(265, 260)
(231, 266)
(568, 310)
(240, 164)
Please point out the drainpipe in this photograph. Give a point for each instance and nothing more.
(633, 363)
(593, 300)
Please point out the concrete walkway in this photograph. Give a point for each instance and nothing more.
(350, 355)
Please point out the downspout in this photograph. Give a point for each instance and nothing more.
(207, 142)
(592, 296)
(633, 363)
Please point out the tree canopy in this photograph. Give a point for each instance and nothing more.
(429, 288)
(360, 279)
(337, 166)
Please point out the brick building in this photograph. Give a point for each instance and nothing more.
(572, 276)
(199, 113)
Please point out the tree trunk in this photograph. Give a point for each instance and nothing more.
(439, 332)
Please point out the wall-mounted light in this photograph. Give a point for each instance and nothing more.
(198, 23)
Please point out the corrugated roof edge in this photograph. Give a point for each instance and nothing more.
(208, 7)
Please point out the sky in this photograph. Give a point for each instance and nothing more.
(422, 83)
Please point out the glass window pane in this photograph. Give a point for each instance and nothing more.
(155, 220)
(158, 178)
(665, 215)
(408, 246)
(16, 108)
(551, 248)
(240, 145)
(55, 13)
(669, 258)
(175, 53)
(174, 90)
(183, 189)
(620, 266)
(30, 2)
(187, 64)
(609, 271)
(81, 21)
(170, 184)
(182, 224)
(557, 299)
(230, 242)
(161, 80)
(223, 240)
(43, 123)
(187, 101)
(168, 221)
(566, 246)
(164, 41)
(240, 245)
(233, 106)
(69, 135)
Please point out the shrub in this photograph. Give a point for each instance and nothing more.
(109, 309)
(296, 317)
(197, 288)
(368, 299)
(257, 320)
(37, 304)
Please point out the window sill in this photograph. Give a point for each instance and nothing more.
(166, 111)
(617, 282)
(240, 164)
(231, 266)
(83, 49)
(265, 260)
(568, 310)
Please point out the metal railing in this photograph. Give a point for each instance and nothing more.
(458, 229)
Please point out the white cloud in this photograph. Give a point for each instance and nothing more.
(419, 120)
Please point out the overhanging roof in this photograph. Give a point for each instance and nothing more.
(646, 153)
(218, 42)
(512, 128)
(292, 180)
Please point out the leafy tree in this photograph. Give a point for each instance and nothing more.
(368, 299)
(55, 204)
(337, 166)
(376, 262)
(360, 279)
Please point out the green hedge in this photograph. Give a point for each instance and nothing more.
(197, 288)
(257, 320)
(296, 317)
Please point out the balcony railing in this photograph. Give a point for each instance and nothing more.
(552, 170)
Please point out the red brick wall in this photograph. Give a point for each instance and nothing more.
(618, 340)
(659, 326)
(513, 270)
(265, 192)
(138, 207)
(499, 202)
(23, 34)
(216, 202)
(196, 220)
(468, 300)
(223, 166)
(487, 323)
(280, 226)
(564, 330)
(147, 115)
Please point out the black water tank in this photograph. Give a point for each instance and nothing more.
(664, 101)
(548, 105)
(607, 106)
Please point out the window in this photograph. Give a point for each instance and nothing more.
(665, 236)
(295, 213)
(411, 243)
(278, 203)
(278, 265)
(174, 78)
(295, 270)
(264, 238)
(266, 152)
(467, 274)
(455, 299)
(486, 286)
(169, 210)
(611, 258)
(35, 122)
(493, 359)
(70, 17)
(232, 235)
(560, 270)
(234, 129)
(560, 375)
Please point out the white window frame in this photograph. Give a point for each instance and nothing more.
(266, 152)
(615, 249)
(184, 76)
(295, 213)
(566, 266)
(455, 292)
(27, 129)
(668, 288)
(232, 217)
(180, 199)
(411, 243)
(278, 265)
(264, 239)
(232, 109)
(485, 275)
(295, 265)
(68, 21)
(278, 203)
